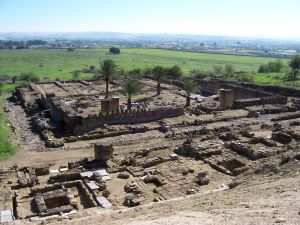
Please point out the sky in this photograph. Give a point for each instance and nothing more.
(248, 18)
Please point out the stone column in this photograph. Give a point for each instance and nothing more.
(226, 98)
(103, 152)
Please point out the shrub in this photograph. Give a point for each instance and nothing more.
(135, 72)
(245, 77)
(114, 50)
(229, 70)
(218, 70)
(174, 72)
(271, 67)
(30, 77)
(263, 68)
(199, 74)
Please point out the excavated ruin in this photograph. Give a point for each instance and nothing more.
(157, 151)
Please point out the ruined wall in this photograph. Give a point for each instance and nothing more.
(59, 111)
(122, 117)
(240, 92)
(276, 99)
(285, 91)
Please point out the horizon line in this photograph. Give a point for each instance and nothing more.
(158, 33)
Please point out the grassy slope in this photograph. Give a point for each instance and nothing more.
(59, 63)
(6, 148)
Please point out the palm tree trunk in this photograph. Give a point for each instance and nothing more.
(158, 88)
(129, 103)
(107, 84)
(188, 101)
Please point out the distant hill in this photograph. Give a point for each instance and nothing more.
(120, 36)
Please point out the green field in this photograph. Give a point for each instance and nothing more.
(60, 63)
(6, 148)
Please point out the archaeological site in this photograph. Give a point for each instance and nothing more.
(89, 154)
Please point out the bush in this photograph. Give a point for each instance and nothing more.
(14, 79)
(271, 67)
(147, 70)
(22, 84)
(29, 77)
(114, 50)
(218, 70)
(76, 75)
(263, 68)
(199, 74)
(135, 72)
(291, 75)
(245, 77)
(229, 70)
(174, 72)
(1, 86)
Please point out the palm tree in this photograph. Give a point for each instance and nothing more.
(131, 87)
(159, 74)
(190, 86)
(107, 69)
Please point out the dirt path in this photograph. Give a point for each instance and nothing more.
(20, 122)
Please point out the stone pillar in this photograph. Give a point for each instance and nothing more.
(103, 152)
(109, 105)
(226, 98)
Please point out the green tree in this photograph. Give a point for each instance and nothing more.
(159, 74)
(29, 77)
(14, 79)
(218, 70)
(122, 72)
(131, 87)
(75, 75)
(114, 50)
(174, 72)
(1, 87)
(190, 86)
(199, 74)
(136, 72)
(229, 70)
(276, 66)
(107, 70)
(295, 66)
(263, 68)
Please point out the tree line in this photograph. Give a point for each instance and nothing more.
(291, 70)
(20, 44)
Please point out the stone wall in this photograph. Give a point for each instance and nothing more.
(60, 112)
(276, 99)
(240, 92)
(212, 87)
(83, 125)
(285, 91)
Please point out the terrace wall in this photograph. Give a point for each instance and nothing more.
(83, 125)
